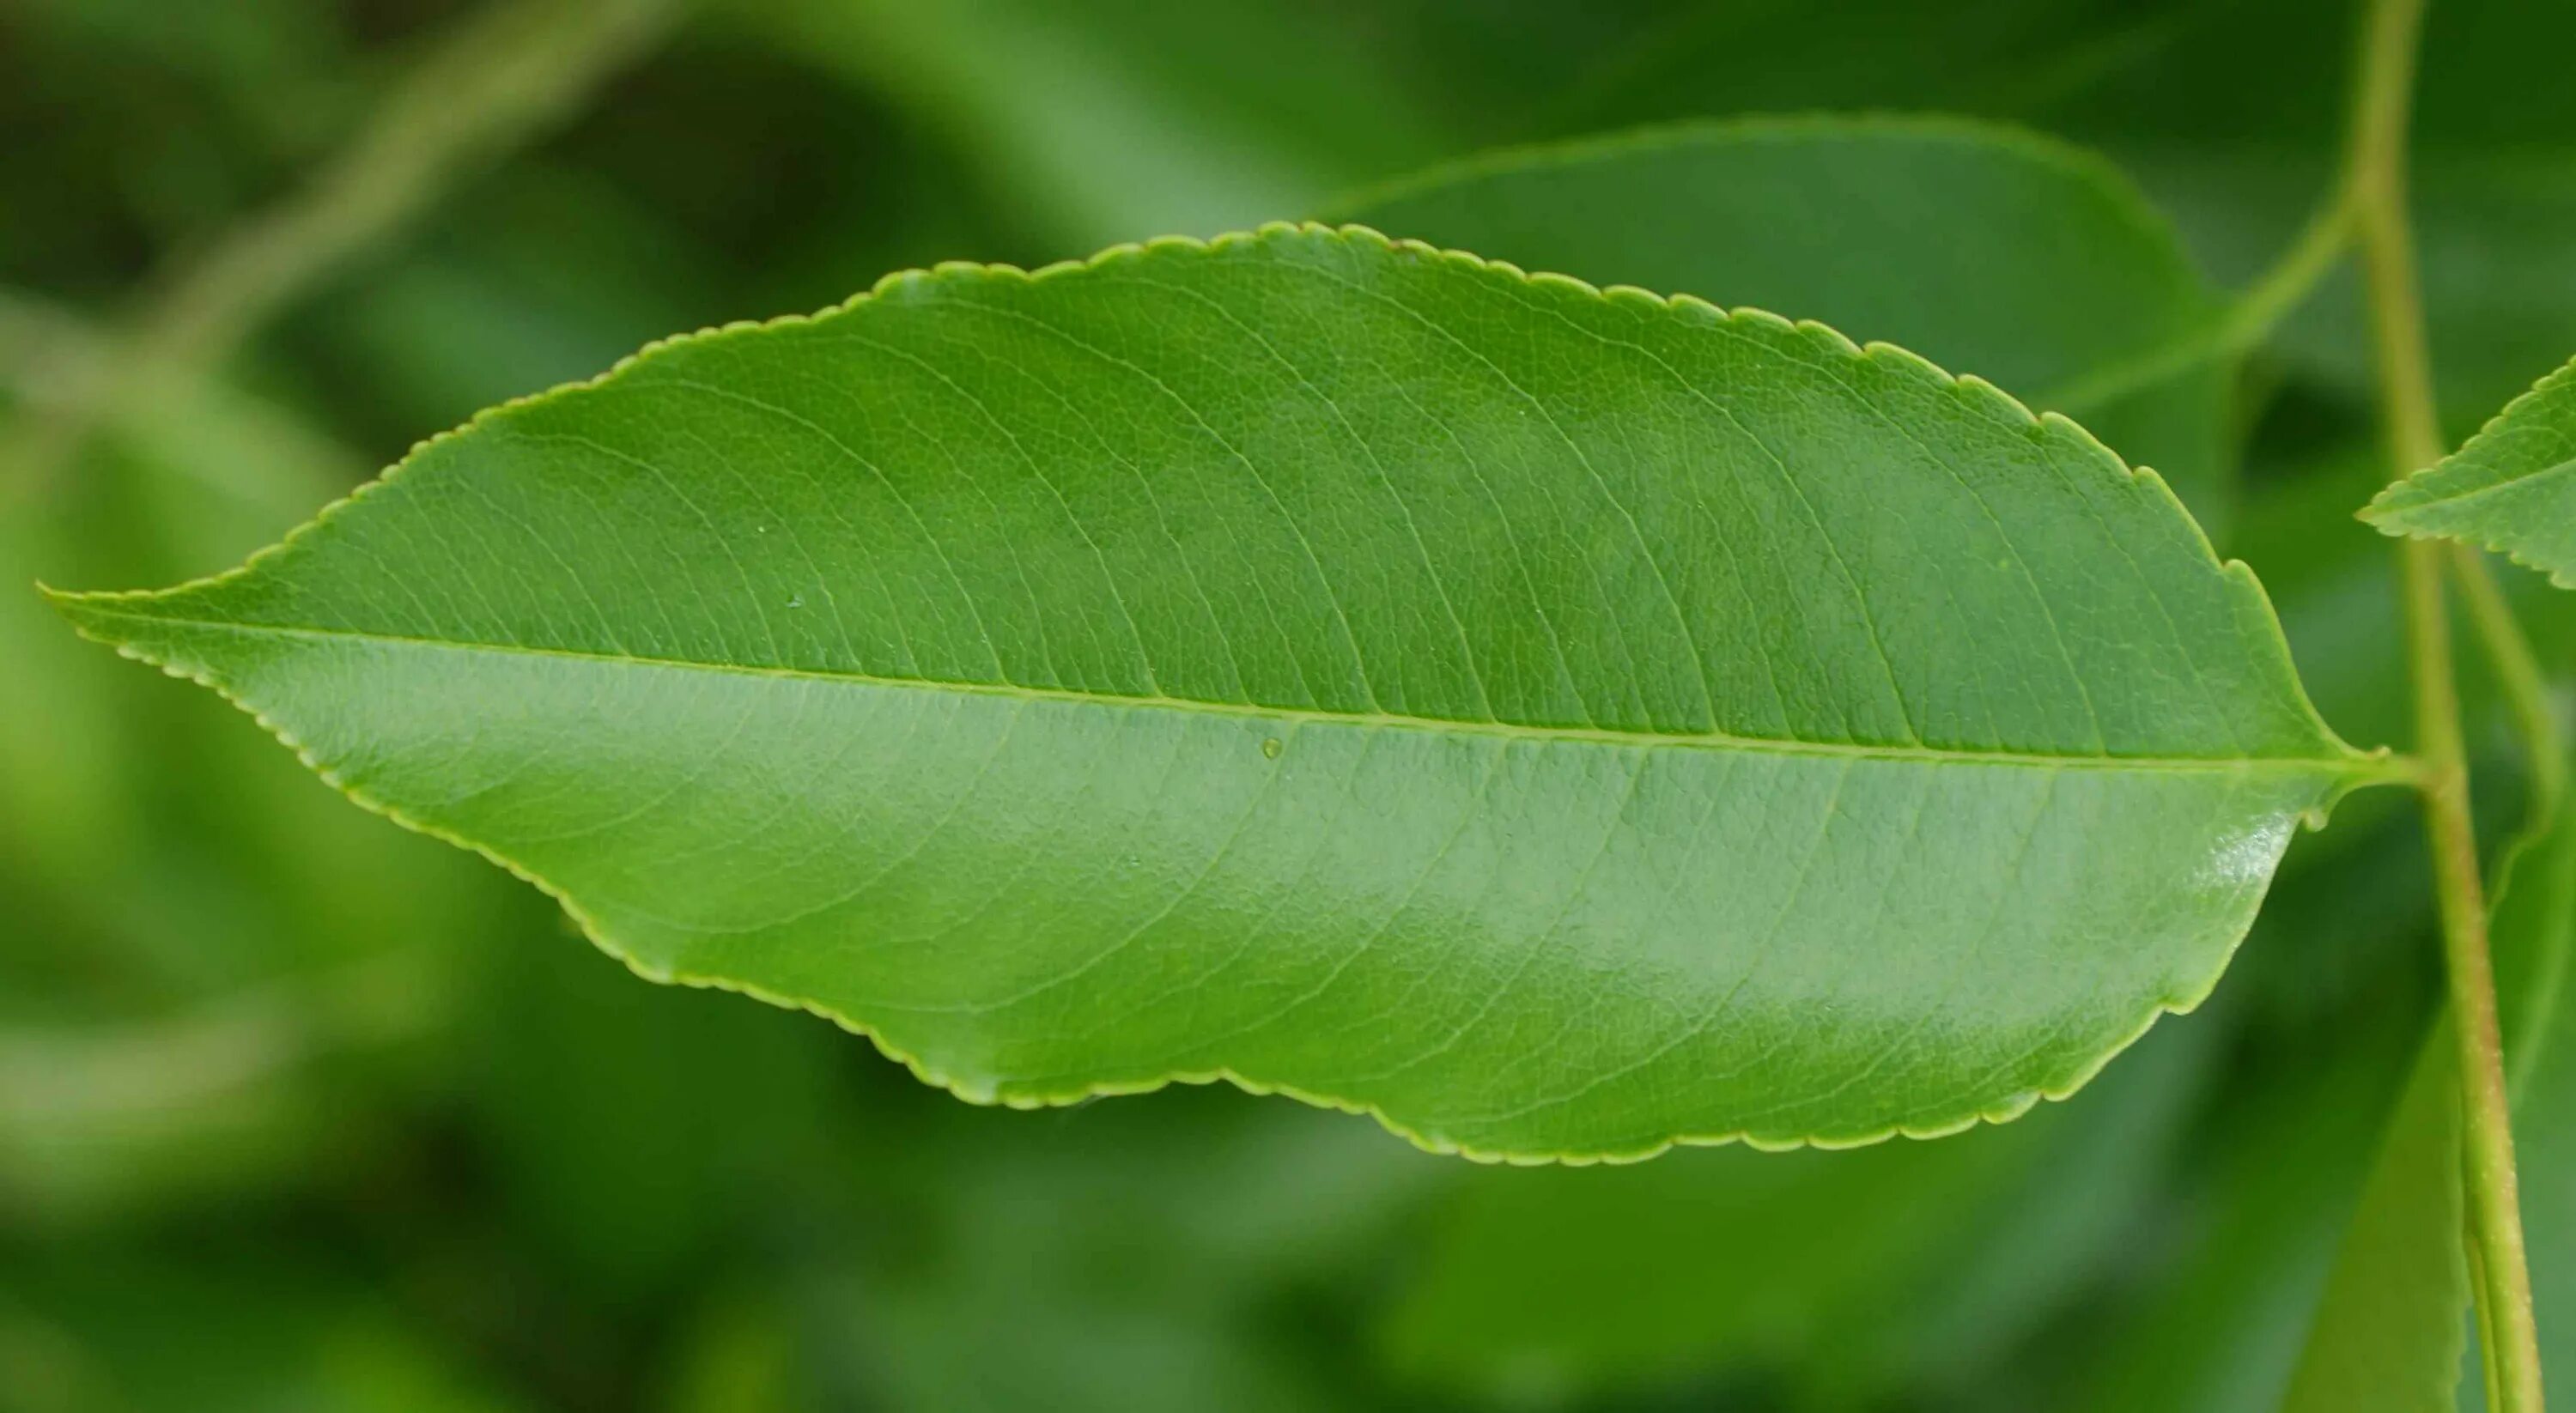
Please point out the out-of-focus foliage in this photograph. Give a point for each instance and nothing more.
(300, 1110)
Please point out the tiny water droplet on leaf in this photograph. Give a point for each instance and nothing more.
(1271, 747)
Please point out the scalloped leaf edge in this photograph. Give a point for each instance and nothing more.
(2358, 769)
(2385, 511)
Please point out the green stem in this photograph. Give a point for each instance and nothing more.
(2293, 275)
(2377, 180)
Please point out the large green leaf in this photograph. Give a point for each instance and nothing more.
(1558, 722)
(1985, 248)
(2512, 488)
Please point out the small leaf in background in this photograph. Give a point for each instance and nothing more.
(1717, 730)
(2511, 489)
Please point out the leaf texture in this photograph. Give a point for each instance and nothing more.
(2511, 489)
(1986, 248)
(1562, 723)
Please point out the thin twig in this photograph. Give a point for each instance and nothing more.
(2377, 178)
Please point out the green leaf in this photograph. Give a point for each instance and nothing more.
(2511, 489)
(1985, 248)
(2391, 1327)
(1560, 723)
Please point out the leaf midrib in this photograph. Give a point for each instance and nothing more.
(2430, 500)
(2350, 765)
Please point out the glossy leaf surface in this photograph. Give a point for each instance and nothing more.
(2511, 489)
(1985, 248)
(1560, 723)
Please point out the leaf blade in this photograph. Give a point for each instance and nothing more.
(1261, 784)
(2511, 489)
